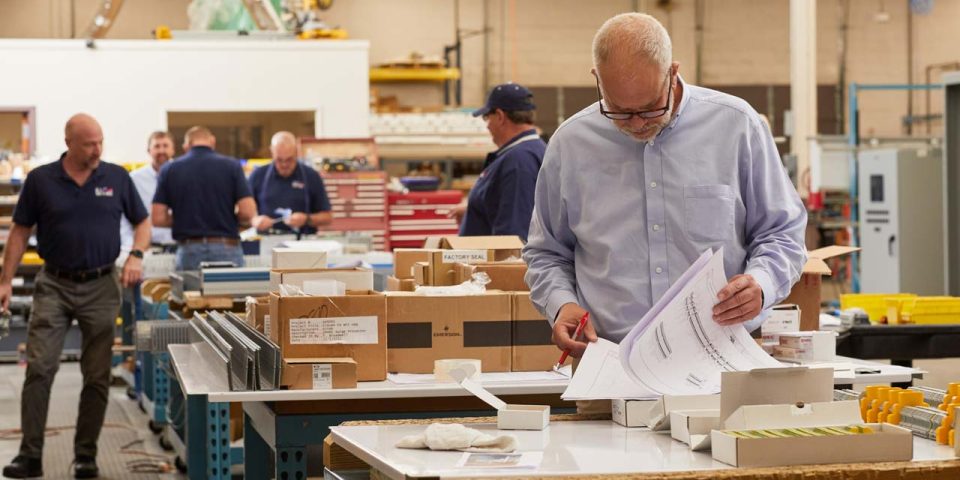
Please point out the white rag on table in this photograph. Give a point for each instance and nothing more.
(454, 436)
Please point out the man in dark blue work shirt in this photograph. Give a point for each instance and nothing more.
(76, 204)
(290, 195)
(205, 198)
(501, 202)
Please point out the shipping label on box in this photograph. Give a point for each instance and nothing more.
(352, 326)
(532, 347)
(319, 373)
(423, 329)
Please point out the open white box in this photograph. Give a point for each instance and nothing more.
(693, 427)
(797, 397)
(888, 443)
(656, 413)
(509, 417)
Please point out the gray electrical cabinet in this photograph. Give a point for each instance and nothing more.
(901, 221)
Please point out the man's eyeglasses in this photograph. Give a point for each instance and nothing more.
(646, 114)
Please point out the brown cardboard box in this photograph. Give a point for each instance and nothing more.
(297, 325)
(806, 292)
(319, 373)
(442, 264)
(257, 310)
(530, 335)
(506, 276)
(503, 247)
(395, 284)
(404, 258)
(421, 273)
(423, 329)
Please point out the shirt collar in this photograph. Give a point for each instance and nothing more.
(97, 173)
(515, 138)
(684, 97)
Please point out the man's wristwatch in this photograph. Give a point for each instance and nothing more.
(136, 253)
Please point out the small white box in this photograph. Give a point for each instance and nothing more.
(523, 417)
(693, 427)
(630, 413)
(286, 257)
(656, 413)
(813, 346)
(356, 279)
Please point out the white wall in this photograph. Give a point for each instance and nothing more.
(129, 85)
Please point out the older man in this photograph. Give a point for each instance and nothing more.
(290, 195)
(76, 205)
(205, 198)
(636, 186)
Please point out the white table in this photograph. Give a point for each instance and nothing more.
(569, 448)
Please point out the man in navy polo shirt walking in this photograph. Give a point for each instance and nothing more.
(290, 195)
(501, 202)
(205, 198)
(76, 204)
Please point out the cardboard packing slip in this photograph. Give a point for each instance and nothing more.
(319, 373)
(355, 279)
(422, 329)
(395, 284)
(887, 443)
(354, 326)
(298, 258)
(532, 347)
(506, 276)
(656, 413)
(806, 292)
(404, 258)
(509, 417)
(693, 427)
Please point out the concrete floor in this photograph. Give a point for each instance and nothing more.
(124, 425)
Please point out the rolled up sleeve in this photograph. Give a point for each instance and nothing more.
(550, 248)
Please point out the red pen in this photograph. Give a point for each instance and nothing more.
(576, 334)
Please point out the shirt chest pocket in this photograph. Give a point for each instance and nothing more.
(708, 212)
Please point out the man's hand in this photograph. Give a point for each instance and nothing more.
(458, 212)
(132, 271)
(296, 220)
(6, 291)
(262, 222)
(566, 324)
(740, 300)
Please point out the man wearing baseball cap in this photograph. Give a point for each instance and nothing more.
(501, 202)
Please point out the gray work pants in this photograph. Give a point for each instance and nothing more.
(56, 302)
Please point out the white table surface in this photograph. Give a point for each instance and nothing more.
(197, 378)
(569, 448)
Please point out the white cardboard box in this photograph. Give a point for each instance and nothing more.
(773, 386)
(298, 258)
(693, 427)
(812, 346)
(782, 318)
(355, 279)
(523, 417)
(656, 413)
(888, 443)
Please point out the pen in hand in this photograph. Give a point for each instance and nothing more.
(576, 335)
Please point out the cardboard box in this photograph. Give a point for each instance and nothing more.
(506, 276)
(783, 318)
(354, 326)
(693, 427)
(630, 413)
(442, 264)
(814, 346)
(422, 329)
(772, 386)
(530, 333)
(502, 247)
(888, 443)
(509, 417)
(298, 258)
(421, 273)
(258, 311)
(404, 258)
(319, 373)
(806, 292)
(395, 284)
(356, 279)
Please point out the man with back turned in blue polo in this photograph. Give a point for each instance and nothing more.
(501, 201)
(205, 198)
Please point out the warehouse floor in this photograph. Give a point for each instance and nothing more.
(124, 439)
(127, 425)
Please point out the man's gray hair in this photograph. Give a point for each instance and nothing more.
(638, 35)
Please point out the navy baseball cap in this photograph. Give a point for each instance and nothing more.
(510, 97)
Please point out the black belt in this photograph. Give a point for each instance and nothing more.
(79, 276)
(221, 240)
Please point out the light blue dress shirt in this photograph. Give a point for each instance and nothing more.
(145, 180)
(616, 221)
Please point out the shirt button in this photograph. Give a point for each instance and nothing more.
(656, 228)
(653, 184)
(659, 270)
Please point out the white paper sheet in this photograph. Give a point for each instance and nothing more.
(500, 461)
(600, 375)
(678, 349)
